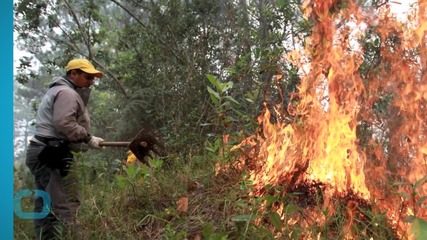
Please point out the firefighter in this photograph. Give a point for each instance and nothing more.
(62, 126)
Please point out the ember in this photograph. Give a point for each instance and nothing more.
(358, 132)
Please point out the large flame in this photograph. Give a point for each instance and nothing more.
(321, 143)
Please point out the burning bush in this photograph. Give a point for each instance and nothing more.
(356, 128)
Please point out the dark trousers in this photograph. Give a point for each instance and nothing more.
(62, 189)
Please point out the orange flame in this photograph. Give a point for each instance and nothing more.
(321, 144)
(323, 141)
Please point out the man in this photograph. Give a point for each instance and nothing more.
(62, 126)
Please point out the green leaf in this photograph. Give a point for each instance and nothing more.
(210, 149)
(421, 200)
(225, 104)
(230, 119)
(249, 100)
(121, 181)
(243, 218)
(227, 86)
(145, 170)
(377, 42)
(282, 3)
(215, 81)
(230, 98)
(270, 199)
(156, 163)
(419, 229)
(246, 185)
(121, 184)
(213, 92)
(409, 219)
(400, 184)
(257, 52)
(207, 231)
(130, 170)
(231, 70)
(404, 195)
(220, 236)
(276, 221)
(419, 182)
(217, 143)
(214, 100)
(292, 208)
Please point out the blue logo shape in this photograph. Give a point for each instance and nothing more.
(32, 215)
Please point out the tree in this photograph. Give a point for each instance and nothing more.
(156, 56)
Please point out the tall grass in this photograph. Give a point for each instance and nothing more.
(137, 202)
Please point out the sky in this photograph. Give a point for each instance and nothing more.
(400, 7)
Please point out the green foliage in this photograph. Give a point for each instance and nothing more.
(419, 228)
(208, 233)
(224, 104)
(415, 201)
(156, 56)
(134, 173)
(413, 196)
(214, 147)
(144, 208)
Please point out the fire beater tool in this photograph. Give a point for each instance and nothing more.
(145, 142)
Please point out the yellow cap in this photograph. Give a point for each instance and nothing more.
(83, 65)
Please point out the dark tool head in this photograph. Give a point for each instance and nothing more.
(145, 143)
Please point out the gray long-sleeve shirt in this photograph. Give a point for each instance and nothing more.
(62, 112)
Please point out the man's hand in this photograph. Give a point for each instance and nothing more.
(94, 142)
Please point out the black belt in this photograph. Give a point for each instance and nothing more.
(46, 140)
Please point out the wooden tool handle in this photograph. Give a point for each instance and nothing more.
(114, 144)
